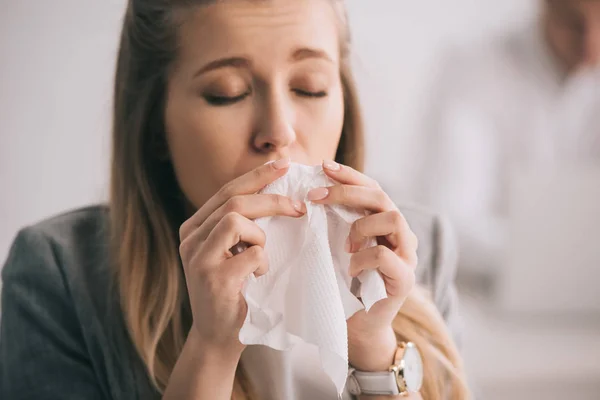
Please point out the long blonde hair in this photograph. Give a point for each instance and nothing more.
(147, 208)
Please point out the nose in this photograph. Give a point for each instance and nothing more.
(275, 126)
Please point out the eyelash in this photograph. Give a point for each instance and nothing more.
(224, 101)
(313, 95)
(220, 101)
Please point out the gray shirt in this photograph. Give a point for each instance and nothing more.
(62, 333)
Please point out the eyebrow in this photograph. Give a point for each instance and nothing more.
(305, 53)
(235, 62)
(243, 62)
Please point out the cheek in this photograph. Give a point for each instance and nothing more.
(201, 140)
(322, 122)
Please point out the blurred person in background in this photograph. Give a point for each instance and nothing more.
(529, 100)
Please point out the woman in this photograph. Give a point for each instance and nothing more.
(142, 299)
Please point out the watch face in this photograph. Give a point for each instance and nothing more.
(413, 368)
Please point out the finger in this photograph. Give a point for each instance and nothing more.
(397, 274)
(361, 197)
(253, 260)
(248, 183)
(376, 257)
(190, 246)
(392, 226)
(348, 175)
(256, 206)
(231, 230)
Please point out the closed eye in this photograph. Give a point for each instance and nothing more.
(224, 100)
(316, 95)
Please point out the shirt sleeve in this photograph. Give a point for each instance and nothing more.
(42, 351)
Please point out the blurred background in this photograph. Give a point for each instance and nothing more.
(472, 107)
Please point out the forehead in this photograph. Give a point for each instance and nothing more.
(265, 31)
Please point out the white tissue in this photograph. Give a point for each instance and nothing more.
(306, 295)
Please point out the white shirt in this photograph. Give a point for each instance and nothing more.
(500, 108)
(291, 375)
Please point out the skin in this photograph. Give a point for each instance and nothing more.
(281, 99)
(572, 29)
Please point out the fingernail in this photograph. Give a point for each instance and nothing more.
(331, 165)
(318, 194)
(281, 164)
(348, 245)
(298, 206)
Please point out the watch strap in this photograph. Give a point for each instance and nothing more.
(372, 383)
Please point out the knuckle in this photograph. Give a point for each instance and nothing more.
(262, 236)
(233, 204)
(358, 228)
(227, 191)
(260, 272)
(381, 196)
(232, 220)
(263, 239)
(263, 269)
(279, 201)
(415, 240)
(184, 248)
(255, 253)
(258, 257)
(258, 173)
(183, 229)
(344, 191)
(381, 253)
(396, 217)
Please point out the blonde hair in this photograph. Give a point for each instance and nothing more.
(147, 208)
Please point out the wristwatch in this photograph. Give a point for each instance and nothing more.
(405, 376)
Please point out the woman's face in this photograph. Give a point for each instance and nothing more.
(255, 81)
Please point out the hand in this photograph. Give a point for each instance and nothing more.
(214, 275)
(371, 339)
